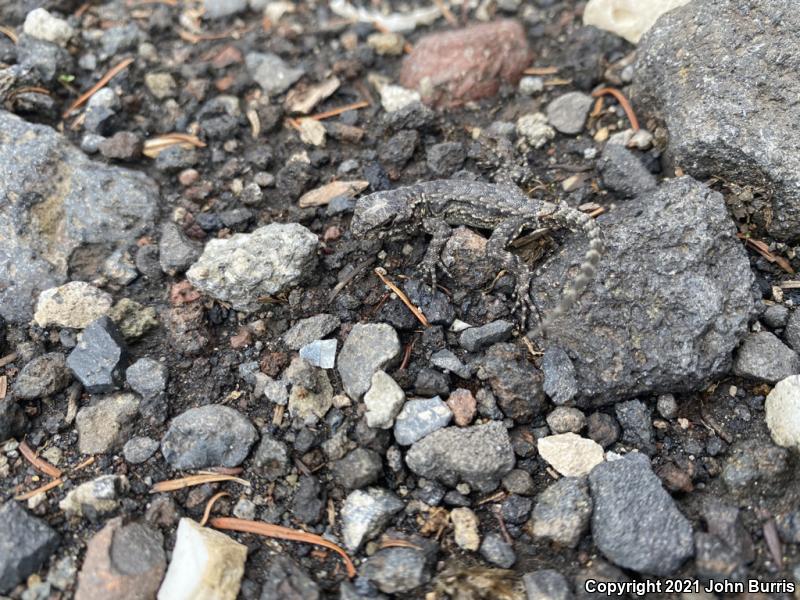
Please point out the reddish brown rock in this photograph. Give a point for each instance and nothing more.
(463, 405)
(123, 562)
(451, 68)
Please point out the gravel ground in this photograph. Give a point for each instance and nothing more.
(212, 387)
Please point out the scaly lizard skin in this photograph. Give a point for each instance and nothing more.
(503, 209)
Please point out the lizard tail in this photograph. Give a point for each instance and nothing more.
(574, 219)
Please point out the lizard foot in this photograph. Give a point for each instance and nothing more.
(523, 305)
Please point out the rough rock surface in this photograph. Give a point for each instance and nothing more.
(368, 348)
(716, 70)
(208, 436)
(365, 513)
(74, 304)
(783, 412)
(670, 302)
(43, 376)
(635, 521)
(54, 201)
(480, 455)
(451, 68)
(25, 543)
(107, 424)
(123, 562)
(247, 266)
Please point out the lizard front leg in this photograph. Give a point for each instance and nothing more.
(501, 237)
(439, 231)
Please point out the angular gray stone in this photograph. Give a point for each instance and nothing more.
(447, 361)
(247, 266)
(271, 458)
(420, 417)
(397, 570)
(208, 436)
(636, 523)
(365, 513)
(147, 377)
(476, 338)
(360, 468)
(756, 467)
(559, 376)
(176, 252)
(25, 544)
(320, 353)
(547, 584)
(723, 74)
(100, 357)
(623, 172)
(55, 200)
(107, 424)
(792, 332)
(764, 357)
(496, 550)
(562, 512)
(670, 302)
(383, 400)
(286, 580)
(44, 376)
(138, 449)
(637, 426)
(369, 348)
(480, 455)
(310, 329)
(216, 9)
(271, 72)
(568, 112)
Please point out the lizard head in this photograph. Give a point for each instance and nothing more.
(382, 214)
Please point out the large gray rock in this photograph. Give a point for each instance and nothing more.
(635, 521)
(724, 76)
(480, 455)
(208, 436)
(762, 356)
(100, 357)
(246, 266)
(53, 202)
(670, 302)
(25, 544)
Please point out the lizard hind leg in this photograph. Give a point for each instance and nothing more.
(501, 237)
(439, 231)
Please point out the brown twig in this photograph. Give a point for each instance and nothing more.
(9, 33)
(334, 112)
(407, 354)
(210, 505)
(541, 71)
(763, 249)
(172, 485)
(403, 298)
(97, 86)
(40, 490)
(623, 101)
(282, 533)
(84, 464)
(3, 386)
(8, 358)
(498, 512)
(38, 463)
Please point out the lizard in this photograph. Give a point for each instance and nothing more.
(502, 208)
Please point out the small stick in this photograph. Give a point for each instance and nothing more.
(209, 506)
(3, 386)
(623, 101)
(403, 298)
(40, 490)
(172, 485)
(8, 358)
(282, 533)
(9, 33)
(541, 71)
(337, 111)
(38, 463)
(97, 86)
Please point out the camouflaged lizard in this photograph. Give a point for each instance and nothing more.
(503, 209)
